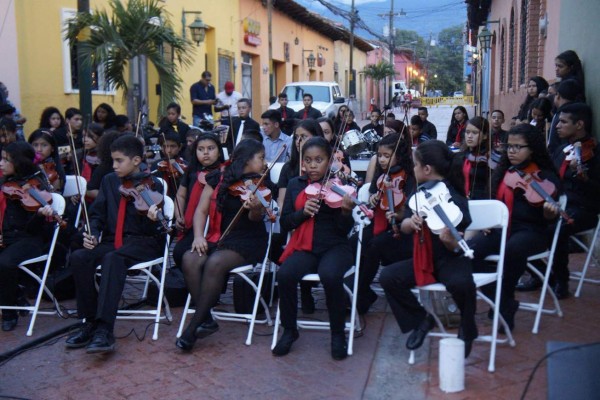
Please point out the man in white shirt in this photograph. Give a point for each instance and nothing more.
(274, 138)
(227, 102)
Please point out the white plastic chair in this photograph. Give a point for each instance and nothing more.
(589, 249)
(71, 190)
(351, 326)
(146, 268)
(250, 319)
(547, 257)
(485, 214)
(58, 204)
(275, 172)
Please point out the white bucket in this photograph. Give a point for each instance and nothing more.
(452, 365)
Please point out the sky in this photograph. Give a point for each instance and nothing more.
(424, 16)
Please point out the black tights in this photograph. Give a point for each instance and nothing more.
(204, 276)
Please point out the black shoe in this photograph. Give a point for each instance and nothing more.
(468, 339)
(102, 342)
(82, 337)
(561, 290)
(10, 323)
(530, 285)
(206, 328)
(365, 301)
(416, 338)
(339, 347)
(185, 343)
(284, 345)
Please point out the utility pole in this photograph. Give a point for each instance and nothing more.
(352, 84)
(270, 39)
(84, 72)
(391, 37)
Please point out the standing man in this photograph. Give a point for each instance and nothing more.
(285, 112)
(202, 94)
(429, 129)
(241, 124)
(308, 111)
(227, 102)
(274, 138)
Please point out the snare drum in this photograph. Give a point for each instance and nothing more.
(370, 136)
(353, 142)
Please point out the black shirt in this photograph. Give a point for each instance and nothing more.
(430, 130)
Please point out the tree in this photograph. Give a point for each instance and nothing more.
(140, 28)
(446, 60)
(378, 72)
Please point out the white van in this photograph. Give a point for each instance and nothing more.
(327, 97)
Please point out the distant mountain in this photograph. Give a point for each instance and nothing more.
(429, 16)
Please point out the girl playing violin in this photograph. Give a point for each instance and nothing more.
(382, 243)
(342, 158)
(47, 158)
(22, 233)
(435, 257)
(525, 152)
(476, 164)
(208, 156)
(319, 244)
(212, 257)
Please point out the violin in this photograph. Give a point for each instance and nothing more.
(175, 167)
(244, 189)
(30, 195)
(582, 152)
(536, 190)
(393, 186)
(432, 202)
(139, 189)
(49, 167)
(333, 192)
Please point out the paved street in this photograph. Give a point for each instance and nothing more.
(222, 367)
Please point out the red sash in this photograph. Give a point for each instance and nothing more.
(120, 223)
(195, 194)
(467, 174)
(563, 168)
(215, 216)
(86, 172)
(423, 257)
(459, 129)
(380, 222)
(305, 114)
(302, 237)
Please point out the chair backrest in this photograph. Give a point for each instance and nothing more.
(487, 214)
(363, 193)
(58, 203)
(164, 184)
(71, 185)
(168, 208)
(275, 172)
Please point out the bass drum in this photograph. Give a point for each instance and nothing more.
(353, 142)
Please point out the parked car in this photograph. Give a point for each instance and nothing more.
(458, 94)
(327, 97)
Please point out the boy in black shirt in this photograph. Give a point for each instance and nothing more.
(120, 238)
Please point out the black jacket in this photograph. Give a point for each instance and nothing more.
(249, 124)
(313, 113)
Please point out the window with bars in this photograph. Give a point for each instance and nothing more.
(502, 60)
(511, 49)
(523, 45)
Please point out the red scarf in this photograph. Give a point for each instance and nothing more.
(120, 223)
(466, 169)
(380, 222)
(302, 237)
(305, 113)
(283, 114)
(86, 172)
(193, 201)
(215, 216)
(423, 257)
(459, 129)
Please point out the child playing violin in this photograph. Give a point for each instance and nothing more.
(476, 164)
(383, 243)
(212, 257)
(90, 158)
(578, 164)
(127, 237)
(435, 257)
(171, 167)
(46, 157)
(528, 221)
(208, 156)
(318, 244)
(22, 233)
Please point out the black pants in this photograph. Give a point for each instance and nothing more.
(382, 249)
(582, 221)
(520, 245)
(184, 244)
(11, 256)
(331, 267)
(102, 306)
(454, 272)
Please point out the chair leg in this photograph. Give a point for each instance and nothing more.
(184, 316)
(276, 327)
(590, 254)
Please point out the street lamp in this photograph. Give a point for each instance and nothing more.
(310, 60)
(485, 39)
(197, 28)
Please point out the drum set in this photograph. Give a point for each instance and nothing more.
(360, 145)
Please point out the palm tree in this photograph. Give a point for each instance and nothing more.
(140, 28)
(378, 72)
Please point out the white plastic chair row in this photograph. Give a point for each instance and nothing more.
(58, 205)
(578, 238)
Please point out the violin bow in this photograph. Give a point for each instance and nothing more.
(230, 128)
(490, 140)
(386, 174)
(336, 146)
(77, 175)
(172, 175)
(260, 181)
(137, 125)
